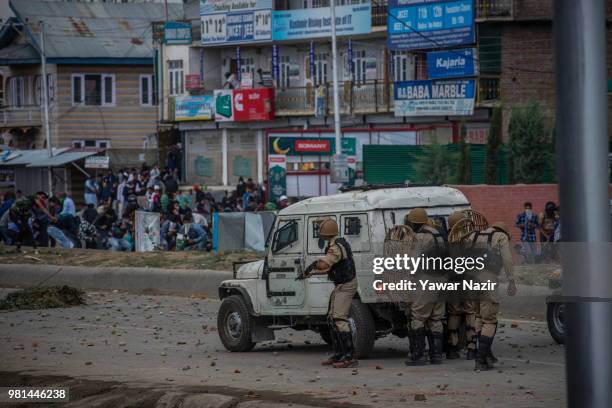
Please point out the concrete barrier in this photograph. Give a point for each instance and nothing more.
(149, 280)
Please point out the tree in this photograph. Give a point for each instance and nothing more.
(493, 144)
(465, 157)
(436, 164)
(530, 143)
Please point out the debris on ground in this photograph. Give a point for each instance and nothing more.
(43, 298)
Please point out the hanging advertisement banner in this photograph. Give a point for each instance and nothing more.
(458, 63)
(311, 57)
(316, 22)
(275, 67)
(350, 67)
(253, 104)
(223, 105)
(194, 108)
(238, 65)
(235, 21)
(434, 98)
(423, 24)
(277, 176)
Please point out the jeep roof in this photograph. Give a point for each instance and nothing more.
(380, 199)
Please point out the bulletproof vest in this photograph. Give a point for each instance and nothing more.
(493, 258)
(344, 270)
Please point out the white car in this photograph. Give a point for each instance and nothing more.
(265, 295)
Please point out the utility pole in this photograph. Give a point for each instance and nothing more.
(45, 101)
(339, 172)
(582, 150)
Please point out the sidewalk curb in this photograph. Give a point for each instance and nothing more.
(149, 280)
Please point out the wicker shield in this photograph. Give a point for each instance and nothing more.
(399, 240)
(479, 220)
(461, 230)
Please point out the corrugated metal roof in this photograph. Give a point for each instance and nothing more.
(24, 53)
(25, 157)
(95, 30)
(62, 159)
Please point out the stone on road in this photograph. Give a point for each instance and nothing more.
(169, 346)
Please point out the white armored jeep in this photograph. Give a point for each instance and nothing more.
(265, 295)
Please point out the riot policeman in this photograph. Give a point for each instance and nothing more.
(339, 266)
(494, 242)
(426, 311)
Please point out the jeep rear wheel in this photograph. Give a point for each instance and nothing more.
(234, 324)
(363, 328)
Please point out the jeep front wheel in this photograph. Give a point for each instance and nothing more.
(234, 324)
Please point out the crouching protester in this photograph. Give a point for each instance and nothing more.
(339, 266)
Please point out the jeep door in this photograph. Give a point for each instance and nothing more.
(285, 262)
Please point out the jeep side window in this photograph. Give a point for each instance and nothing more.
(285, 236)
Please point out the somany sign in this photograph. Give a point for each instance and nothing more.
(434, 98)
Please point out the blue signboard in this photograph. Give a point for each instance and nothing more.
(316, 22)
(194, 108)
(434, 98)
(422, 24)
(452, 63)
(235, 21)
(176, 33)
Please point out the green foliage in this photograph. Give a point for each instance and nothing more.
(530, 143)
(43, 298)
(493, 144)
(436, 165)
(465, 157)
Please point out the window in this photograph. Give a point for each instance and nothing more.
(359, 66)
(176, 77)
(147, 96)
(285, 72)
(320, 65)
(91, 143)
(16, 91)
(285, 236)
(247, 65)
(403, 64)
(93, 89)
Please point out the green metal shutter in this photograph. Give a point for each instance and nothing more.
(386, 164)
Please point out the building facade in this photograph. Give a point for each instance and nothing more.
(387, 82)
(100, 74)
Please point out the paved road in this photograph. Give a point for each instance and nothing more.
(163, 341)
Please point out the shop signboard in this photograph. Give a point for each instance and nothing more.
(434, 98)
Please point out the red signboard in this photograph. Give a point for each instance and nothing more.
(253, 104)
(311, 146)
(192, 81)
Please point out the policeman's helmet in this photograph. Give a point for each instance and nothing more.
(328, 228)
(416, 216)
(455, 217)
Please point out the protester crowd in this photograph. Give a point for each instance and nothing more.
(107, 220)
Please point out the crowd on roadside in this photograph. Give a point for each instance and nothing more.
(107, 220)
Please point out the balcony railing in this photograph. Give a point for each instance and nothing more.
(489, 90)
(369, 97)
(494, 9)
(28, 115)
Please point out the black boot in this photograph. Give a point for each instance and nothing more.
(348, 351)
(336, 347)
(484, 347)
(471, 346)
(452, 351)
(435, 348)
(471, 354)
(417, 348)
